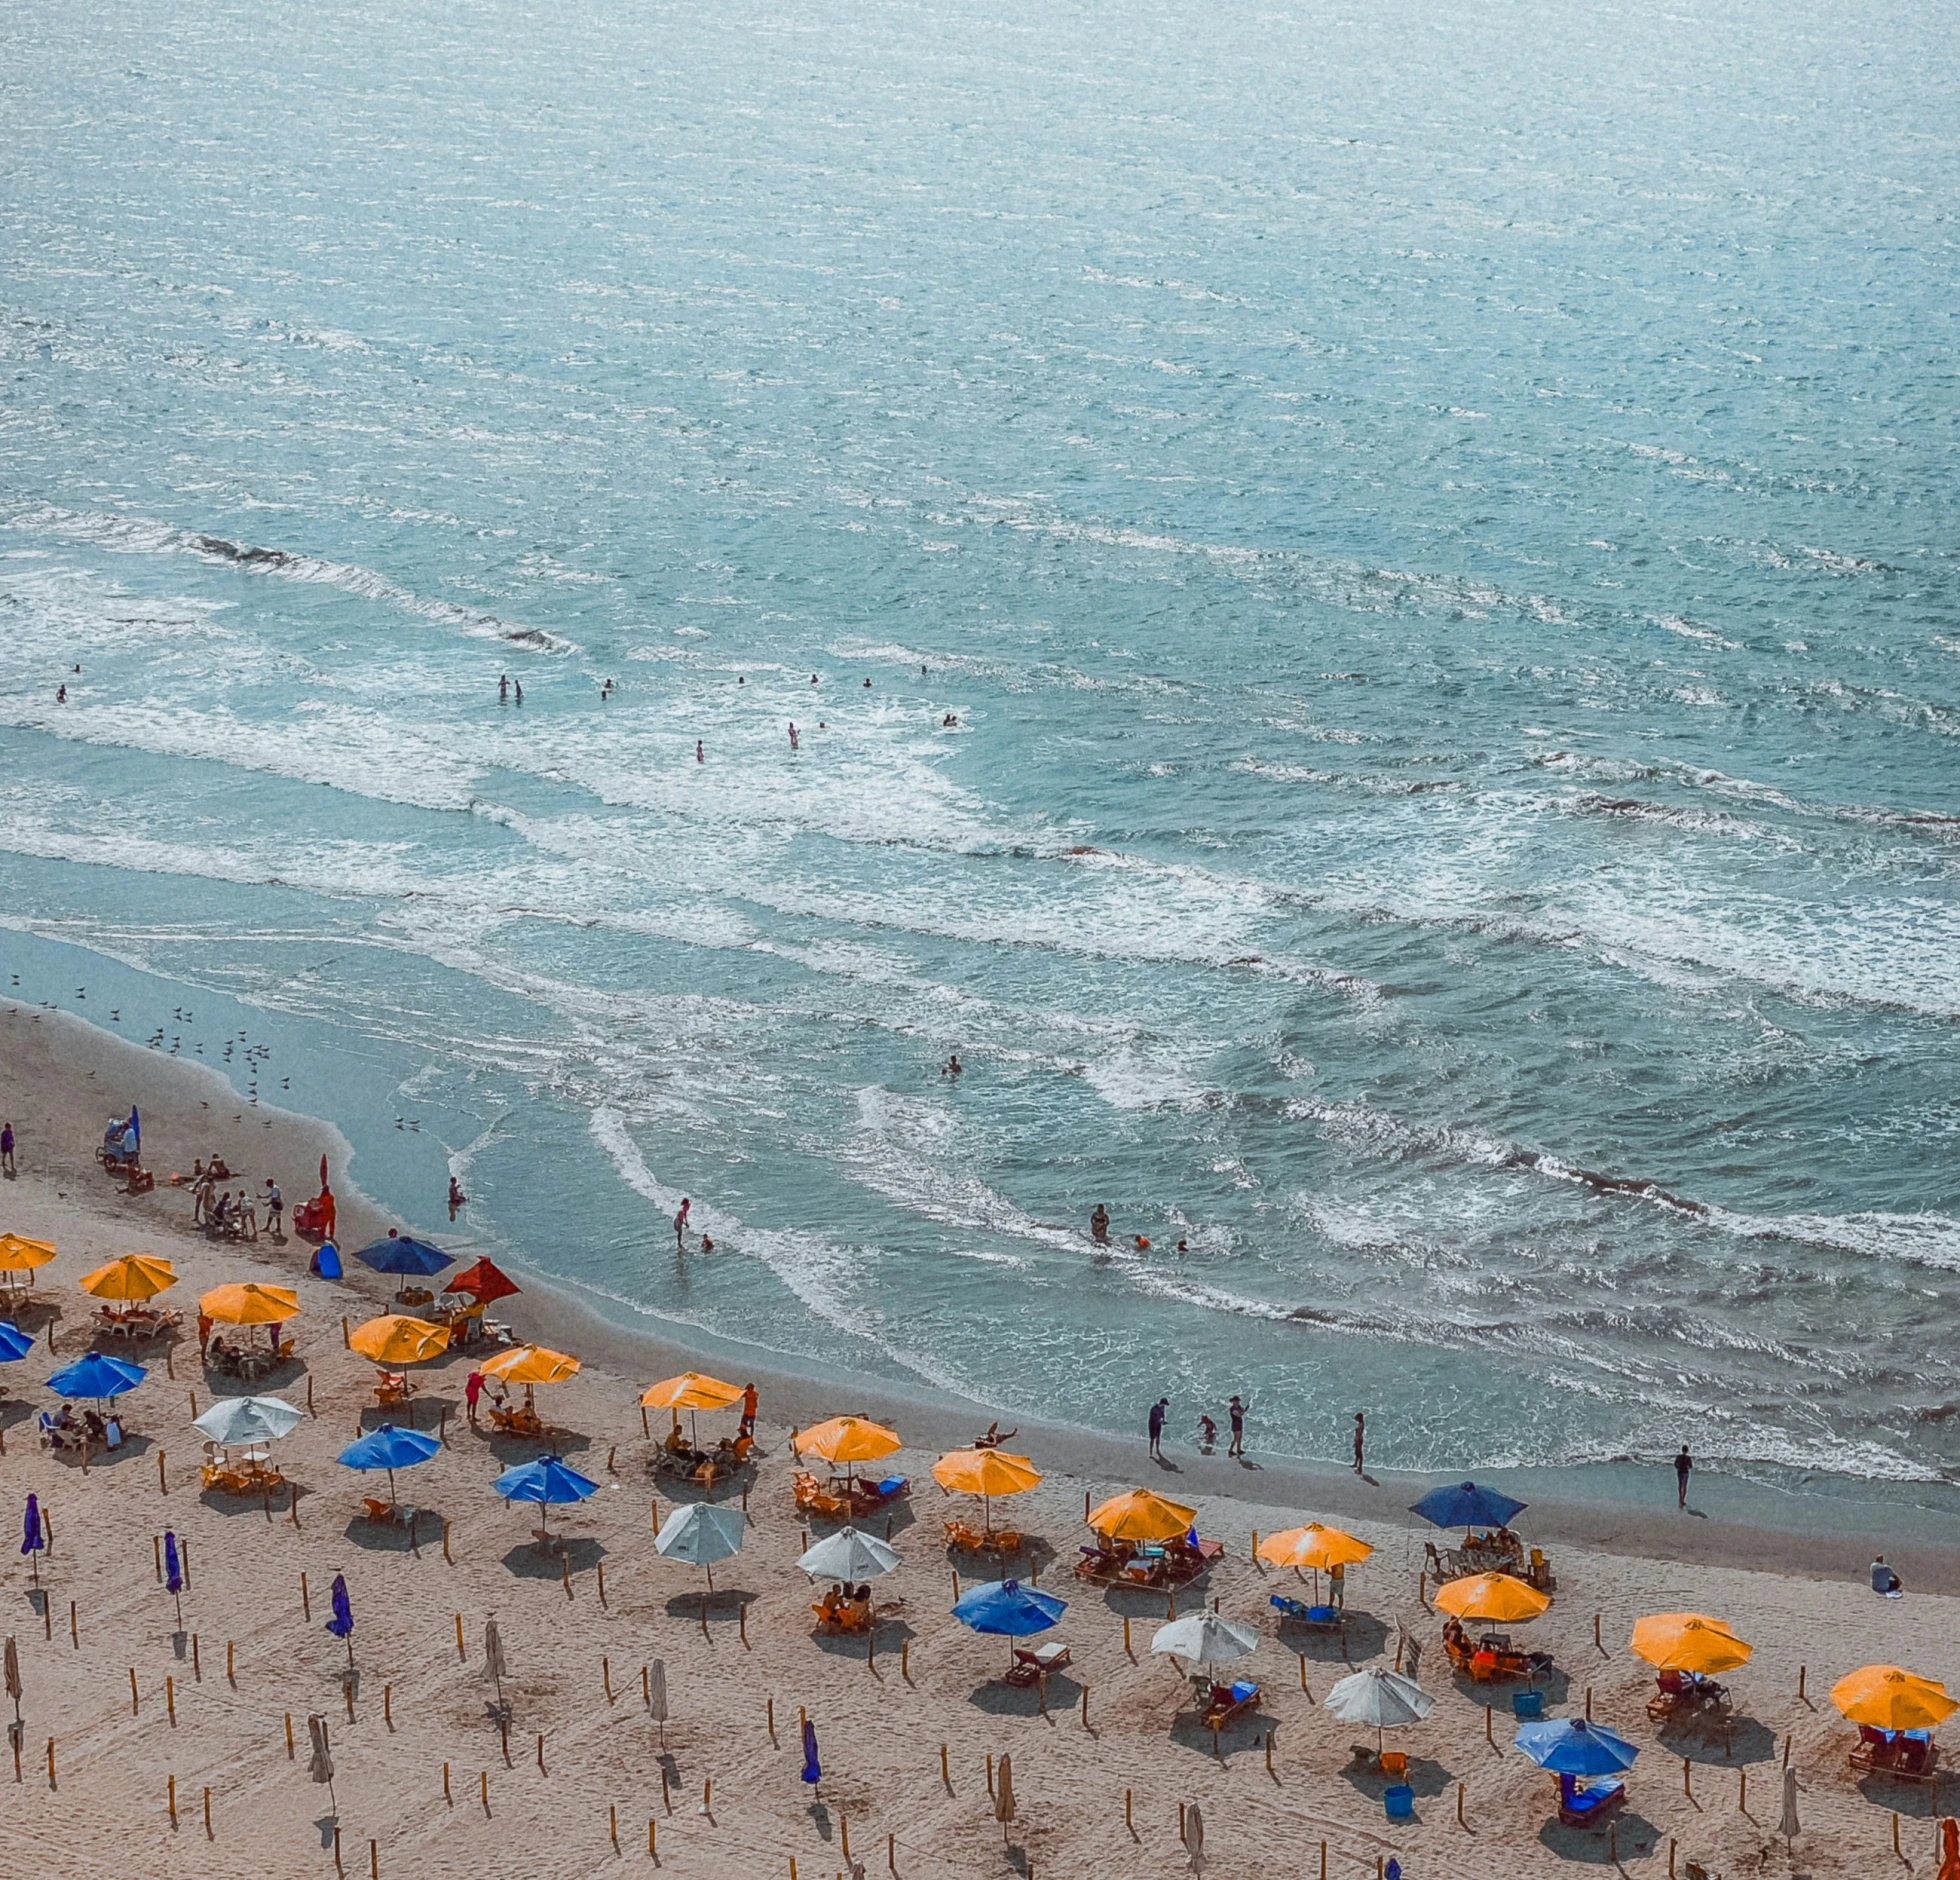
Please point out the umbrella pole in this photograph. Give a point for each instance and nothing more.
(391, 1491)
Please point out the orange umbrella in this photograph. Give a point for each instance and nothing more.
(1688, 1641)
(394, 1338)
(847, 1440)
(1142, 1515)
(692, 1391)
(134, 1276)
(249, 1303)
(1891, 1699)
(18, 1254)
(986, 1473)
(1494, 1598)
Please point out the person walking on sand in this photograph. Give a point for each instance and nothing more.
(472, 1390)
(275, 1210)
(680, 1225)
(1236, 1412)
(747, 1425)
(1683, 1467)
(1360, 1437)
(7, 1152)
(1157, 1413)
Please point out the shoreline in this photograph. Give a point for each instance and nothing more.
(51, 1058)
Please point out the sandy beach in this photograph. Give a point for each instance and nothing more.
(585, 1759)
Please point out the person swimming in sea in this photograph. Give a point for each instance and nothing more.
(1099, 1225)
(793, 744)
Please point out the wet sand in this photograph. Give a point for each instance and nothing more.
(881, 1720)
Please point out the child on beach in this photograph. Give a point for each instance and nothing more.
(1207, 1434)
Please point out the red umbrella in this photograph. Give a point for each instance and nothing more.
(485, 1280)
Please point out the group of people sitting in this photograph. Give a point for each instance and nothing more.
(848, 1608)
(232, 1214)
(63, 1429)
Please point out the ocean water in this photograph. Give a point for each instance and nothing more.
(1370, 599)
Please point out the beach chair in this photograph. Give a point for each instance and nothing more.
(1316, 1618)
(382, 1515)
(392, 1387)
(1393, 1763)
(814, 1497)
(1586, 1807)
(1225, 1703)
(1539, 1573)
(1033, 1663)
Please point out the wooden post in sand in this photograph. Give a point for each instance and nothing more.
(460, 1652)
(74, 1635)
(483, 1788)
(1597, 1646)
(171, 1800)
(305, 1604)
(445, 1786)
(990, 1772)
(1802, 1672)
(344, 1339)
(1127, 1821)
(1742, 1792)
(945, 1775)
(170, 1700)
(197, 1668)
(601, 1569)
(1489, 1723)
(310, 1411)
(1460, 1822)
(445, 1541)
(605, 1677)
(156, 1547)
(231, 1663)
(1127, 1652)
(163, 1484)
(135, 1705)
(51, 1780)
(207, 1816)
(1687, 1778)
(289, 1736)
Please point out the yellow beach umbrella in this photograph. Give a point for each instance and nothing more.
(1141, 1515)
(134, 1276)
(18, 1254)
(249, 1303)
(1494, 1598)
(1891, 1699)
(1688, 1641)
(529, 1364)
(1313, 1546)
(396, 1339)
(986, 1473)
(847, 1439)
(691, 1391)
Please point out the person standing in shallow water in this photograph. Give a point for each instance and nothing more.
(1360, 1437)
(1683, 1468)
(1099, 1225)
(1157, 1412)
(680, 1224)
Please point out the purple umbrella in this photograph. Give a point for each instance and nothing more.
(34, 1540)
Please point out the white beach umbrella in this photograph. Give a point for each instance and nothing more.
(248, 1420)
(1381, 1699)
(849, 1555)
(1205, 1639)
(700, 1534)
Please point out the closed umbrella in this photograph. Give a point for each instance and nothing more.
(493, 1658)
(700, 1534)
(1194, 1838)
(341, 1625)
(1004, 1793)
(173, 1574)
(1205, 1638)
(32, 1539)
(320, 1764)
(812, 1769)
(248, 1420)
(849, 1555)
(391, 1449)
(549, 1479)
(657, 1696)
(13, 1675)
(1789, 1827)
(1379, 1699)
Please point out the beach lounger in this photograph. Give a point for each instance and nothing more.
(1583, 1807)
(1321, 1618)
(1226, 1702)
(382, 1515)
(1904, 1755)
(1033, 1663)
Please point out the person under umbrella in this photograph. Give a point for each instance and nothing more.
(547, 1480)
(391, 1449)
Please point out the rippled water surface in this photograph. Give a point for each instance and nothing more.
(1404, 561)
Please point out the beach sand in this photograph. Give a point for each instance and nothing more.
(881, 1722)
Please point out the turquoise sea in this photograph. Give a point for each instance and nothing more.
(1383, 594)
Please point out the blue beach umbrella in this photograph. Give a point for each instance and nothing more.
(391, 1449)
(1570, 1746)
(95, 1376)
(14, 1343)
(549, 1479)
(1466, 1505)
(812, 1769)
(1008, 1608)
(404, 1254)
